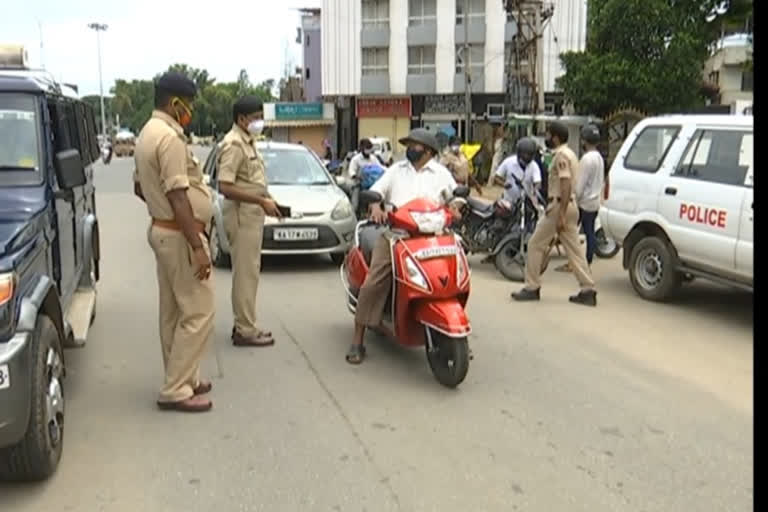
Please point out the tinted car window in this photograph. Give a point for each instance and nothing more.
(718, 156)
(20, 156)
(650, 148)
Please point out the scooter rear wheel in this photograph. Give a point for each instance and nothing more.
(449, 359)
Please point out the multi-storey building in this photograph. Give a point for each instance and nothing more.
(311, 52)
(391, 65)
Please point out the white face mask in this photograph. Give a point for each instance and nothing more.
(256, 126)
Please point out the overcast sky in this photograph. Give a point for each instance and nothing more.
(146, 36)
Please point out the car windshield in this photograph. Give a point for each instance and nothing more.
(19, 148)
(293, 167)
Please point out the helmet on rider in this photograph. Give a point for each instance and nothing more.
(526, 150)
(419, 141)
(590, 134)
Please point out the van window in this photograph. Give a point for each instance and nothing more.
(718, 156)
(650, 148)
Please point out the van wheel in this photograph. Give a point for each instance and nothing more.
(652, 269)
(37, 456)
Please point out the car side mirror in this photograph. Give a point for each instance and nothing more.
(461, 191)
(69, 169)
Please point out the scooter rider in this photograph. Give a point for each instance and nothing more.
(419, 176)
(521, 168)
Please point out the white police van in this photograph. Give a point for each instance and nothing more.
(681, 202)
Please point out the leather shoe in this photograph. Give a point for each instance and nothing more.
(527, 295)
(259, 340)
(585, 297)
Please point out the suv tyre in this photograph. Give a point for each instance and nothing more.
(652, 269)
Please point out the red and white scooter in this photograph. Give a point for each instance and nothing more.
(430, 288)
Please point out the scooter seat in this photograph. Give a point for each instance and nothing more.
(369, 235)
(480, 205)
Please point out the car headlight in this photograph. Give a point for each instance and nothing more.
(342, 210)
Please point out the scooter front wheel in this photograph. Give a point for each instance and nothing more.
(448, 359)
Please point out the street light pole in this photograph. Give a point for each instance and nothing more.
(100, 27)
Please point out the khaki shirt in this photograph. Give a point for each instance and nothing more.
(565, 164)
(457, 164)
(241, 164)
(164, 162)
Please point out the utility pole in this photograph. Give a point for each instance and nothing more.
(100, 27)
(467, 76)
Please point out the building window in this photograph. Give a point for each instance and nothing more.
(476, 57)
(375, 61)
(714, 78)
(476, 11)
(306, 39)
(421, 60)
(307, 73)
(422, 12)
(748, 81)
(376, 14)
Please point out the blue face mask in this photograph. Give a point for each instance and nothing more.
(414, 155)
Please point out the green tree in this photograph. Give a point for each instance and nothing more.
(645, 53)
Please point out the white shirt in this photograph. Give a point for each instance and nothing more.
(359, 161)
(402, 183)
(530, 176)
(589, 187)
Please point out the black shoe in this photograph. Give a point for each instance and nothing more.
(526, 295)
(585, 297)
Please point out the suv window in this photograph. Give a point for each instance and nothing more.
(718, 156)
(650, 148)
(20, 129)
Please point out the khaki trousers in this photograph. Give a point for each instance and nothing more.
(186, 312)
(245, 230)
(542, 237)
(372, 298)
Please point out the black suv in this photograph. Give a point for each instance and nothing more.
(49, 261)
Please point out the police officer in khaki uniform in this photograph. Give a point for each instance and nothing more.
(561, 219)
(169, 180)
(244, 184)
(456, 161)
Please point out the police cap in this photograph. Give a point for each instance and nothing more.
(559, 130)
(246, 106)
(177, 84)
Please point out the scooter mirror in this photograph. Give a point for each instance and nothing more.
(461, 191)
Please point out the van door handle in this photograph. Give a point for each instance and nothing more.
(670, 191)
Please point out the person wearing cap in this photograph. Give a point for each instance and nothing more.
(561, 219)
(589, 188)
(418, 176)
(243, 183)
(168, 178)
(456, 161)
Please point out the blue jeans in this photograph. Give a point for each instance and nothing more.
(588, 225)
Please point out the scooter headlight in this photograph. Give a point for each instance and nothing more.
(429, 222)
(414, 274)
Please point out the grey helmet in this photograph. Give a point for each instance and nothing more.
(526, 149)
(590, 134)
(423, 137)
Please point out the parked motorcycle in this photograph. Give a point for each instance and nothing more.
(430, 286)
(500, 229)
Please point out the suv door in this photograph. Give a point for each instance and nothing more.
(702, 199)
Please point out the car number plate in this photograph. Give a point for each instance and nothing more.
(5, 377)
(296, 234)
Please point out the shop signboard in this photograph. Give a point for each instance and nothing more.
(390, 106)
(444, 104)
(293, 111)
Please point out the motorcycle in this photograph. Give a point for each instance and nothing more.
(430, 285)
(500, 229)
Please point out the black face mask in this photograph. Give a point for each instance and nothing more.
(414, 155)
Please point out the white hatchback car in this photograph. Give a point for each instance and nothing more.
(681, 202)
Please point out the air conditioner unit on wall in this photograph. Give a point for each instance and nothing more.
(495, 110)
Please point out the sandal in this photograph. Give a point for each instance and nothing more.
(356, 354)
(203, 388)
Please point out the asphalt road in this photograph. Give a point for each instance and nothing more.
(632, 406)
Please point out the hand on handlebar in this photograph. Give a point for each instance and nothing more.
(377, 215)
